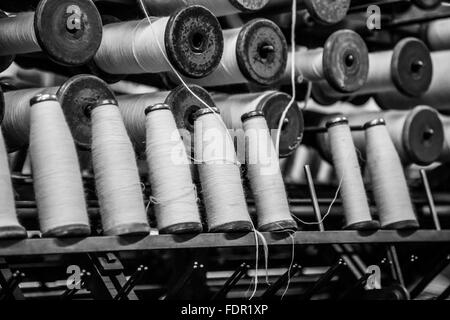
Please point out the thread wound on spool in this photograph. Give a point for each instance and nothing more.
(354, 199)
(173, 194)
(9, 224)
(263, 172)
(56, 172)
(222, 190)
(389, 185)
(116, 175)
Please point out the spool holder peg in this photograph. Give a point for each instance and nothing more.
(237, 275)
(77, 97)
(327, 12)
(7, 279)
(131, 283)
(261, 52)
(437, 267)
(68, 31)
(281, 281)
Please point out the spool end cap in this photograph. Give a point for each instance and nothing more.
(261, 51)
(327, 12)
(68, 31)
(194, 41)
(345, 61)
(336, 121)
(249, 5)
(411, 67)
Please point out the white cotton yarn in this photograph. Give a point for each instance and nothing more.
(263, 172)
(173, 193)
(17, 34)
(116, 175)
(222, 190)
(345, 160)
(389, 184)
(56, 171)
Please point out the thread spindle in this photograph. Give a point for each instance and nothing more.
(389, 185)
(263, 172)
(175, 197)
(222, 190)
(56, 171)
(345, 161)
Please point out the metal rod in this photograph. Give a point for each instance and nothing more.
(231, 281)
(324, 130)
(181, 283)
(396, 265)
(361, 282)
(315, 202)
(273, 289)
(131, 282)
(11, 284)
(423, 283)
(324, 279)
(69, 293)
(423, 175)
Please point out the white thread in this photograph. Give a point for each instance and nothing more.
(219, 8)
(438, 37)
(116, 174)
(263, 171)
(8, 217)
(17, 34)
(222, 190)
(16, 121)
(169, 172)
(56, 172)
(132, 47)
(345, 161)
(389, 185)
(293, 87)
(228, 71)
(308, 65)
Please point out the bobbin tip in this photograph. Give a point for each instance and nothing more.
(129, 229)
(13, 232)
(252, 114)
(374, 122)
(204, 111)
(235, 226)
(336, 121)
(402, 225)
(363, 225)
(155, 107)
(183, 228)
(283, 225)
(69, 231)
(43, 97)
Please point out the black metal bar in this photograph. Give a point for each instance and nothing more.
(396, 265)
(431, 204)
(315, 202)
(324, 279)
(281, 281)
(182, 281)
(231, 281)
(444, 295)
(358, 285)
(131, 282)
(423, 283)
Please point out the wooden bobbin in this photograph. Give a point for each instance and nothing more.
(244, 225)
(391, 193)
(76, 96)
(80, 228)
(272, 104)
(258, 169)
(343, 62)
(362, 219)
(193, 42)
(260, 51)
(11, 230)
(437, 96)
(161, 8)
(69, 32)
(182, 103)
(407, 69)
(192, 227)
